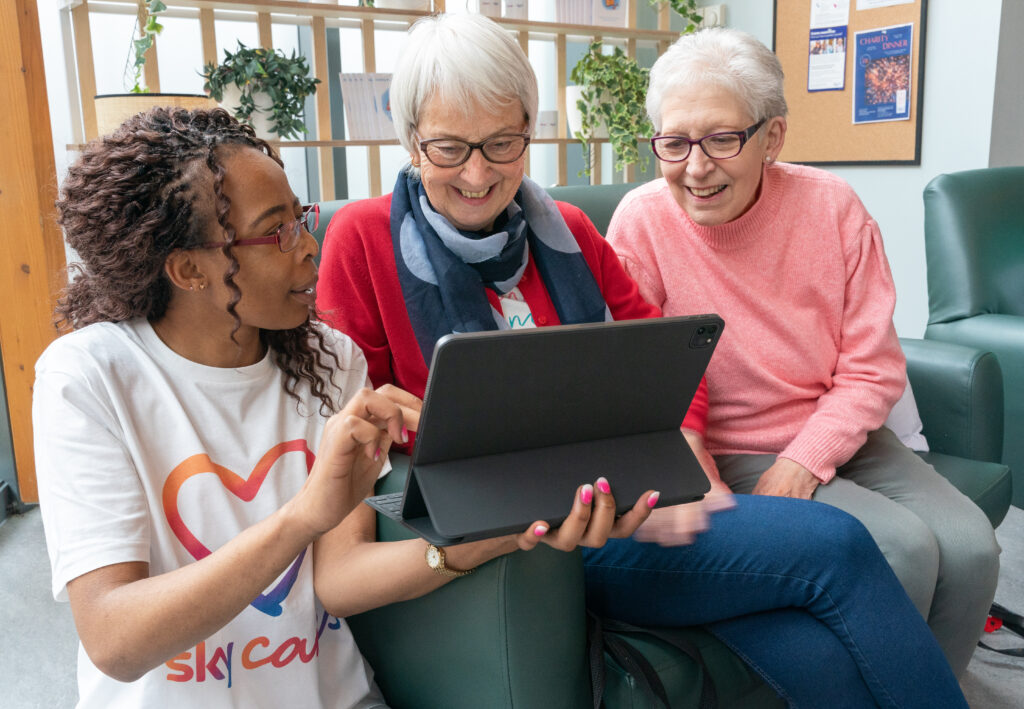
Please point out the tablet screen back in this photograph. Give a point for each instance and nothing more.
(511, 390)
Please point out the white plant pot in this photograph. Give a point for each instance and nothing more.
(575, 119)
(260, 117)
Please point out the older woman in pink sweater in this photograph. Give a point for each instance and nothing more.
(809, 364)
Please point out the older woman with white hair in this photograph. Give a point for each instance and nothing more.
(810, 365)
(466, 243)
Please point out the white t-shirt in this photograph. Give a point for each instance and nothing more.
(143, 455)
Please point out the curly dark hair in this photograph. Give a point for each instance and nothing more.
(137, 195)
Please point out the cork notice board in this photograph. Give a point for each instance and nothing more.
(821, 128)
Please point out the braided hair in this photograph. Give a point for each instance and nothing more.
(139, 194)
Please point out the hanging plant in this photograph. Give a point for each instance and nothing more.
(142, 44)
(284, 80)
(613, 90)
(687, 9)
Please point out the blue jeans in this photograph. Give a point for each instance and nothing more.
(799, 590)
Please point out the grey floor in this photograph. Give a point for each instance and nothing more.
(38, 643)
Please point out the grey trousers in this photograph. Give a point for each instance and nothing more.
(940, 544)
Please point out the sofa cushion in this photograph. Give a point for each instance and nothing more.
(988, 484)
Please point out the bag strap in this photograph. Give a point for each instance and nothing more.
(638, 666)
(1005, 619)
(595, 653)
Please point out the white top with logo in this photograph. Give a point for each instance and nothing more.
(143, 455)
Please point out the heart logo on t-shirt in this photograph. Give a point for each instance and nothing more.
(243, 488)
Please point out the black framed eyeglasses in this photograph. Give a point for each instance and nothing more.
(286, 236)
(718, 146)
(499, 149)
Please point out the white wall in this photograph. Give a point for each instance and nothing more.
(961, 47)
(1008, 112)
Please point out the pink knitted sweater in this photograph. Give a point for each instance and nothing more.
(809, 361)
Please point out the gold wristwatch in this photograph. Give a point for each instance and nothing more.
(435, 560)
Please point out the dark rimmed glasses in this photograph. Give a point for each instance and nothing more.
(499, 149)
(286, 236)
(718, 146)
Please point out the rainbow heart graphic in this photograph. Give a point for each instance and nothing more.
(243, 488)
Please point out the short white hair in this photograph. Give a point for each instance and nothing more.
(722, 57)
(465, 59)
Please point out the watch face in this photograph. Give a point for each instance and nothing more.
(433, 557)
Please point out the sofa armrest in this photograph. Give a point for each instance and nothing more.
(959, 393)
(512, 634)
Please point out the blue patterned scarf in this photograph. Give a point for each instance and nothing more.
(441, 269)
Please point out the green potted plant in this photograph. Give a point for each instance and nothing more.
(262, 87)
(612, 88)
(610, 96)
(687, 9)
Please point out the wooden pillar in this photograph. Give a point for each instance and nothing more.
(562, 171)
(595, 149)
(85, 66)
(523, 37)
(150, 70)
(266, 33)
(370, 67)
(208, 31)
(32, 263)
(630, 173)
(323, 108)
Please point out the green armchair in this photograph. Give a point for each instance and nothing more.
(513, 634)
(974, 241)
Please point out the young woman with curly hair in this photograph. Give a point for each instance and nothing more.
(175, 431)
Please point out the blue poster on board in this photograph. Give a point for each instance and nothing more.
(882, 74)
(826, 59)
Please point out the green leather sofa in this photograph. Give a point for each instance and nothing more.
(513, 633)
(974, 240)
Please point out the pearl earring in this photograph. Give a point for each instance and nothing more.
(767, 158)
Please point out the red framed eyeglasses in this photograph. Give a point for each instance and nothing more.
(286, 236)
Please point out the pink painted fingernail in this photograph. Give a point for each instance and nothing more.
(540, 530)
(376, 456)
(652, 499)
(603, 486)
(405, 434)
(586, 494)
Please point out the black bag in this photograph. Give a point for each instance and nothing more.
(1000, 617)
(603, 638)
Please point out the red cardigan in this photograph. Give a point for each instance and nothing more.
(359, 294)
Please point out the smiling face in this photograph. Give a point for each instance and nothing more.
(472, 195)
(278, 289)
(711, 191)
